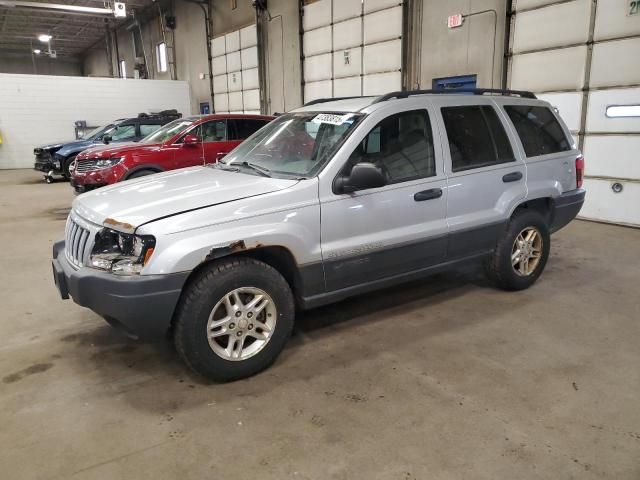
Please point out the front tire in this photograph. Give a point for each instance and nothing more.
(522, 252)
(66, 167)
(234, 319)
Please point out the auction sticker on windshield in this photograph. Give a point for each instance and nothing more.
(332, 118)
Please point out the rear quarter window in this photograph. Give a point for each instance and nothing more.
(538, 129)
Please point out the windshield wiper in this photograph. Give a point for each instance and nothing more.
(265, 172)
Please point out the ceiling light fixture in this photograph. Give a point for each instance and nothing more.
(37, 51)
(44, 38)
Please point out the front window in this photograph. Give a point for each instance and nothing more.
(168, 131)
(296, 144)
(122, 132)
(97, 133)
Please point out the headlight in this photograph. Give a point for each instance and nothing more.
(108, 162)
(121, 253)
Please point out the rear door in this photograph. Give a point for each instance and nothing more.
(486, 176)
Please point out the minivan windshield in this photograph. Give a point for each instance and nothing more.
(167, 131)
(295, 144)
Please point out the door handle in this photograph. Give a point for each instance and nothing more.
(512, 177)
(428, 194)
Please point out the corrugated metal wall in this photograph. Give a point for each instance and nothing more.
(582, 56)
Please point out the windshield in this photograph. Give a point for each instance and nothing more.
(295, 144)
(97, 132)
(166, 132)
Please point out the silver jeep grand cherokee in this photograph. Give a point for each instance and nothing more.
(336, 198)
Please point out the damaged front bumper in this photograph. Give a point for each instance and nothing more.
(141, 305)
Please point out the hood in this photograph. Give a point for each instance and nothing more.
(75, 146)
(108, 151)
(127, 205)
(50, 146)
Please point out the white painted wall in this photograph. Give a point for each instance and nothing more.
(38, 109)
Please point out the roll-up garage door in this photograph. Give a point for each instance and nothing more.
(582, 57)
(235, 72)
(351, 47)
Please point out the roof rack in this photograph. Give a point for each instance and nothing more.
(474, 91)
(324, 100)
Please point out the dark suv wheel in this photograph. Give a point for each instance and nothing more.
(522, 252)
(66, 166)
(234, 319)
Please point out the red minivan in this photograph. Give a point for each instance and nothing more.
(185, 142)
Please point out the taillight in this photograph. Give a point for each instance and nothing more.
(579, 171)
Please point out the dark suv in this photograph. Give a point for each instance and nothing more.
(56, 158)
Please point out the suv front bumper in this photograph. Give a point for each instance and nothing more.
(141, 305)
(566, 207)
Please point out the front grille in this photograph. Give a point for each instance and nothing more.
(78, 242)
(85, 166)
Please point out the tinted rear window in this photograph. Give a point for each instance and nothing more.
(538, 129)
(476, 137)
(245, 127)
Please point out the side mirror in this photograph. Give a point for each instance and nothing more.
(106, 139)
(363, 176)
(191, 140)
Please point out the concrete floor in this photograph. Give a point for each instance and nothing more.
(446, 378)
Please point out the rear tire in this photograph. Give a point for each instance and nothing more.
(522, 252)
(223, 336)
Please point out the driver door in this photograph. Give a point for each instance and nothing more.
(383, 232)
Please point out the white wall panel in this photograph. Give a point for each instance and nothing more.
(313, 90)
(601, 203)
(220, 84)
(316, 41)
(251, 100)
(552, 26)
(347, 34)
(219, 65)
(383, 25)
(316, 14)
(612, 20)
(221, 102)
(612, 156)
(373, 5)
(234, 81)
(235, 102)
(383, 57)
(343, 69)
(250, 79)
(248, 37)
(249, 57)
(530, 71)
(233, 62)
(232, 41)
(343, 9)
(526, 4)
(597, 121)
(317, 67)
(568, 104)
(347, 87)
(218, 46)
(616, 63)
(29, 102)
(381, 83)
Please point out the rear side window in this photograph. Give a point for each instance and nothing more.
(244, 127)
(538, 129)
(476, 137)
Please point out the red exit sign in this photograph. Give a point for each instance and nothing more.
(454, 20)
